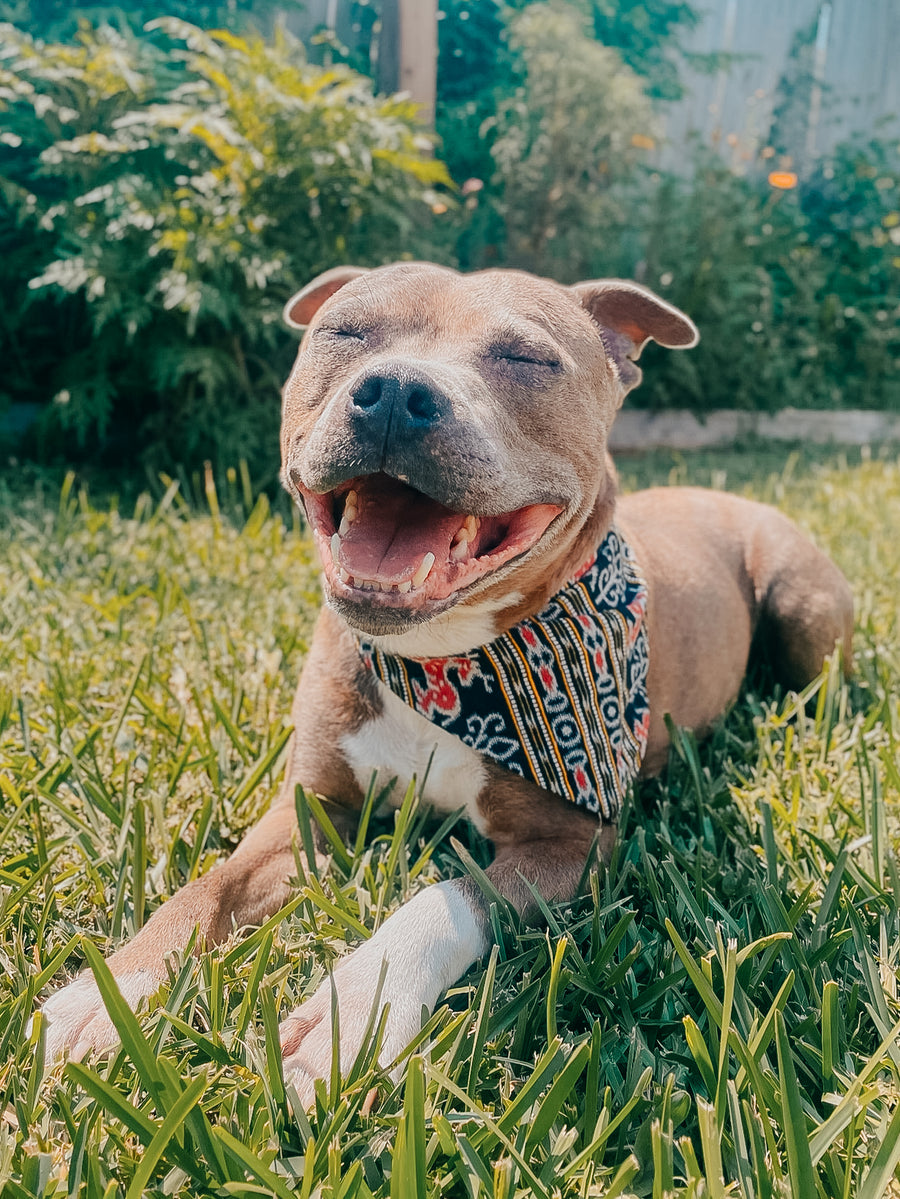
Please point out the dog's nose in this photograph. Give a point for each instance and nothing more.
(408, 400)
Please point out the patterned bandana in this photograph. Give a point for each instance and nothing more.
(561, 698)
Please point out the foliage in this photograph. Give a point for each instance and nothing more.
(475, 66)
(719, 1017)
(168, 192)
(59, 20)
(162, 193)
(796, 294)
(481, 69)
(793, 95)
(646, 33)
(508, 77)
(561, 142)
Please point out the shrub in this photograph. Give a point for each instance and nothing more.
(168, 191)
(563, 142)
(797, 293)
(59, 20)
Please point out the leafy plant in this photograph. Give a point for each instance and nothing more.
(796, 294)
(59, 20)
(175, 187)
(568, 135)
(647, 33)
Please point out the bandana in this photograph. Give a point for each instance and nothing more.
(561, 698)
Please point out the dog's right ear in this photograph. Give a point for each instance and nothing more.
(301, 308)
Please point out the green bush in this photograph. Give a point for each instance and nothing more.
(162, 193)
(796, 293)
(160, 196)
(562, 141)
(59, 20)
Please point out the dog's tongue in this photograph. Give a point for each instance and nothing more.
(394, 528)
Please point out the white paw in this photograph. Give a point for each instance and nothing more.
(306, 1034)
(426, 946)
(76, 1019)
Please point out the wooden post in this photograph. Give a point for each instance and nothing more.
(418, 53)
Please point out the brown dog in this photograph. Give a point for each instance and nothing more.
(446, 436)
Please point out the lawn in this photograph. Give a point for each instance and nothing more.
(718, 1016)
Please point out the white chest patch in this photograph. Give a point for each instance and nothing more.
(401, 744)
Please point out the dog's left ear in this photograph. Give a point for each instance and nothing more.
(301, 308)
(629, 316)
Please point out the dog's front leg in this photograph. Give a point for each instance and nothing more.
(244, 890)
(254, 882)
(429, 942)
(424, 947)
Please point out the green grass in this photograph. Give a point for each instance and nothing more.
(719, 1016)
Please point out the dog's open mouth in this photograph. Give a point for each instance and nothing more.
(383, 541)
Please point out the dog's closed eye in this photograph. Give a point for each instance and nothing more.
(343, 332)
(518, 355)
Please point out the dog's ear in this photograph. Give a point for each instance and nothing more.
(629, 316)
(301, 308)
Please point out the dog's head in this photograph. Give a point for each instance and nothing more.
(446, 435)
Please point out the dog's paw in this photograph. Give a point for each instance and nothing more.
(415, 955)
(76, 1018)
(307, 1035)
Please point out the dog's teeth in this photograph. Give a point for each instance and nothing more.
(344, 576)
(404, 587)
(335, 548)
(422, 573)
(466, 531)
(350, 513)
(459, 550)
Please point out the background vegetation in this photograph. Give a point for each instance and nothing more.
(163, 190)
(719, 1017)
(163, 195)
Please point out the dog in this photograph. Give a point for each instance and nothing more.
(497, 622)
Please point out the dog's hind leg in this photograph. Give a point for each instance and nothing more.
(805, 606)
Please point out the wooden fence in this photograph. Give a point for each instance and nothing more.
(807, 73)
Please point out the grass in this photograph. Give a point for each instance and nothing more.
(719, 1016)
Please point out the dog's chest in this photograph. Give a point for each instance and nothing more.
(399, 744)
(560, 699)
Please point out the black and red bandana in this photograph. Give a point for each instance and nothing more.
(561, 698)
